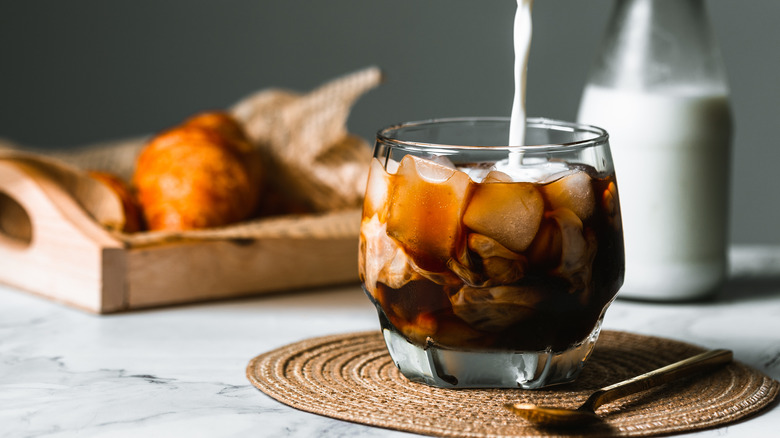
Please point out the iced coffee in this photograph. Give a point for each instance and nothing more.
(491, 266)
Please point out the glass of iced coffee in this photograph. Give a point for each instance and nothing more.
(491, 265)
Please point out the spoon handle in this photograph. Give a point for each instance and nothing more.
(677, 370)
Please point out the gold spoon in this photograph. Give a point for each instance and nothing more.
(560, 417)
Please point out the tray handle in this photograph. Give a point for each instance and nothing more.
(49, 245)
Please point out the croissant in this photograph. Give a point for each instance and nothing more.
(130, 207)
(203, 173)
(225, 125)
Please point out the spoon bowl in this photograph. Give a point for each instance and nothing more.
(585, 414)
(547, 416)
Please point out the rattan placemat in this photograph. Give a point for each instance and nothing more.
(351, 377)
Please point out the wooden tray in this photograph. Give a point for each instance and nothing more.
(51, 246)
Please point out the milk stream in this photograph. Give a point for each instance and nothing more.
(522, 43)
(671, 155)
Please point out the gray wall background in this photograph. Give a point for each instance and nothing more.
(84, 71)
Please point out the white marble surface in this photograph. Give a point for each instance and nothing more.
(181, 371)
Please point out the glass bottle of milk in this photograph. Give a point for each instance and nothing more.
(658, 86)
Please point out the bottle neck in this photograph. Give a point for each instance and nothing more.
(659, 43)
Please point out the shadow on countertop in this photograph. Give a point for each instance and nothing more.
(749, 288)
(754, 273)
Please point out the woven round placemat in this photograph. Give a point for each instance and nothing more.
(352, 377)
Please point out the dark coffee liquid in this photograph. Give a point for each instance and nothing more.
(550, 306)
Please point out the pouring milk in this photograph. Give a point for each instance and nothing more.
(522, 41)
(517, 125)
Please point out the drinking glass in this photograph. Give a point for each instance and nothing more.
(491, 265)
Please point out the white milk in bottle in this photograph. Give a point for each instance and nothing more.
(659, 90)
(671, 153)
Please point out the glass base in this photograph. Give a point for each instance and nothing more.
(446, 368)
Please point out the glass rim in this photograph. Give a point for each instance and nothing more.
(600, 135)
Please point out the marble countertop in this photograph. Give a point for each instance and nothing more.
(181, 371)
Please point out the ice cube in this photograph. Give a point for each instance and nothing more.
(392, 166)
(609, 199)
(609, 202)
(441, 160)
(574, 192)
(456, 333)
(420, 330)
(576, 252)
(500, 265)
(509, 213)
(376, 191)
(426, 205)
(478, 172)
(545, 250)
(496, 308)
(491, 269)
(563, 246)
(486, 247)
(466, 273)
(497, 176)
(501, 271)
(381, 259)
(582, 273)
(432, 170)
(531, 169)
